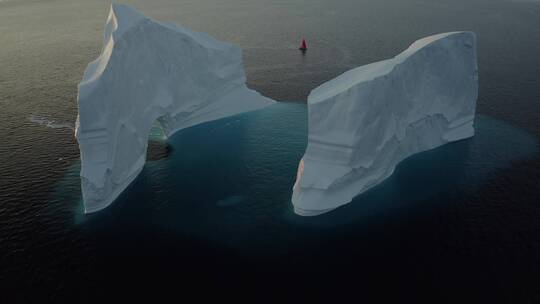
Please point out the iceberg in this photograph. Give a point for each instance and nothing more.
(364, 122)
(148, 72)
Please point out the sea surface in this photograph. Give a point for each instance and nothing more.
(210, 214)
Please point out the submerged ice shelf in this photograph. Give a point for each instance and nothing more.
(150, 71)
(364, 122)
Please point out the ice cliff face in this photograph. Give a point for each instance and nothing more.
(150, 71)
(364, 122)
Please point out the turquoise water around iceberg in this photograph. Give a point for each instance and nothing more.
(229, 183)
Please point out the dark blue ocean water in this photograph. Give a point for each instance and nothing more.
(211, 208)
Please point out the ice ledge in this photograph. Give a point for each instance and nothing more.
(366, 121)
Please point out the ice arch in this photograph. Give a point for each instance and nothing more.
(150, 71)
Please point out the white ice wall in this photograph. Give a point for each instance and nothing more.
(364, 122)
(150, 71)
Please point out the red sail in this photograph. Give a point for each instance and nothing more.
(304, 45)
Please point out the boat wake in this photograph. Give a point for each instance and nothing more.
(49, 123)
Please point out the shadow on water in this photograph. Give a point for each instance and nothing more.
(158, 147)
(228, 183)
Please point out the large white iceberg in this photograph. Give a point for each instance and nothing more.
(150, 71)
(364, 122)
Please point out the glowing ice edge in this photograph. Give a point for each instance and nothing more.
(367, 120)
(150, 71)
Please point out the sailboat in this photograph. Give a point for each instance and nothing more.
(303, 46)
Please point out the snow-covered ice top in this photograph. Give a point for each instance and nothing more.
(148, 71)
(364, 122)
